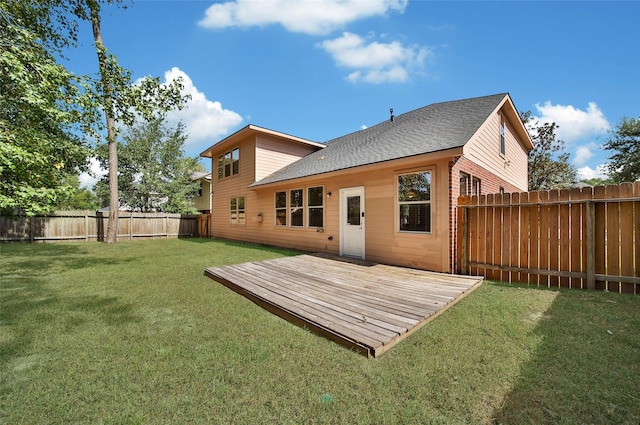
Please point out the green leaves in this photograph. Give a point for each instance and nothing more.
(625, 143)
(154, 174)
(38, 114)
(549, 166)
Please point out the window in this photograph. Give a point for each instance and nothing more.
(281, 208)
(296, 208)
(229, 164)
(315, 206)
(291, 207)
(237, 211)
(503, 143)
(353, 210)
(476, 187)
(465, 184)
(414, 201)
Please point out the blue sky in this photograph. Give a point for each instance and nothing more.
(320, 69)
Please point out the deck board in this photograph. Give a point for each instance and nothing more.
(366, 306)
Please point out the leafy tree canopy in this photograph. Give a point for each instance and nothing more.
(44, 107)
(624, 142)
(597, 181)
(78, 198)
(154, 173)
(549, 166)
(39, 112)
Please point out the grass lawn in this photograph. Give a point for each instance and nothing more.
(135, 333)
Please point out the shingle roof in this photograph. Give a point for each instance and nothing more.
(433, 128)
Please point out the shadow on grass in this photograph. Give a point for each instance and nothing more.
(31, 316)
(241, 244)
(42, 259)
(586, 369)
(32, 308)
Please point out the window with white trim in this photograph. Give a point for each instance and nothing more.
(296, 208)
(465, 184)
(237, 213)
(476, 187)
(503, 142)
(281, 208)
(229, 163)
(414, 202)
(300, 207)
(315, 206)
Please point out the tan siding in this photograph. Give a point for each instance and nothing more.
(484, 150)
(273, 154)
(383, 241)
(234, 186)
(201, 203)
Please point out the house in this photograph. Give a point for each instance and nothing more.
(387, 193)
(202, 201)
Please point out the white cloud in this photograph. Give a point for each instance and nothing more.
(300, 16)
(376, 62)
(205, 120)
(583, 154)
(88, 180)
(573, 123)
(587, 172)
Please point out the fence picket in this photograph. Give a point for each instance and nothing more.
(564, 222)
(578, 238)
(626, 236)
(534, 238)
(90, 226)
(599, 193)
(613, 238)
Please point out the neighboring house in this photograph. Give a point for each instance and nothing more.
(202, 201)
(387, 193)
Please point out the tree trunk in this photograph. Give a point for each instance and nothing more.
(114, 203)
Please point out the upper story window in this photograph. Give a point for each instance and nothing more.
(414, 202)
(503, 143)
(229, 163)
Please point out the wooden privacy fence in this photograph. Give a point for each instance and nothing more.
(205, 227)
(92, 225)
(575, 238)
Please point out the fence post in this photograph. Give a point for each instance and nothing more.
(591, 245)
(32, 229)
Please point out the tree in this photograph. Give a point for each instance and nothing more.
(597, 181)
(78, 198)
(154, 174)
(53, 25)
(625, 143)
(39, 113)
(122, 101)
(549, 166)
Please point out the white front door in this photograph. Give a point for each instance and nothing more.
(352, 222)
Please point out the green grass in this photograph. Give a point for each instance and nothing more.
(134, 333)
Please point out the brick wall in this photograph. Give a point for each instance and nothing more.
(489, 183)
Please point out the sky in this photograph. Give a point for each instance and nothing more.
(320, 69)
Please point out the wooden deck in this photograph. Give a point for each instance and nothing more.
(365, 306)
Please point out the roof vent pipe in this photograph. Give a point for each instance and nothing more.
(391, 112)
